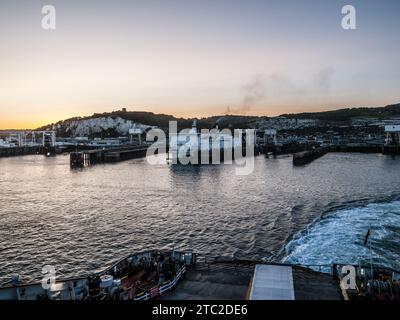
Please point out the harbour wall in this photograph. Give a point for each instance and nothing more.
(305, 157)
(84, 158)
(20, 151)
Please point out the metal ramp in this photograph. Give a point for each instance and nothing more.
(272, 282)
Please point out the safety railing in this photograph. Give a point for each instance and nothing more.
(158, 290)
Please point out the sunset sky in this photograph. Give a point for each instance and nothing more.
(194, 58)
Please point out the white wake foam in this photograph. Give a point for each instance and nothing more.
(339, 237)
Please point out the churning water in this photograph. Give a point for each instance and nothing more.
(340, 237)
(79, 221)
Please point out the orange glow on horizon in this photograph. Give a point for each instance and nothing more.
(160, 58)
(31, 123)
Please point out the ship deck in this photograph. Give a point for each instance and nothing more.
(228, 281)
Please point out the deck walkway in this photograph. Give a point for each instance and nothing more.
(230, 281)
(272, 282)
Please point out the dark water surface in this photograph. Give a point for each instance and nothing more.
(79, 221)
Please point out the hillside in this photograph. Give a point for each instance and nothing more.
(381, 113)
(119, 122)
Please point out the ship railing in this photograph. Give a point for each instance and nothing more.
(208, 261)
(166, 286)
(334, 268)
(323, 268)
(139, 254)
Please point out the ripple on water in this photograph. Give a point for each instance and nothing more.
(83, 220)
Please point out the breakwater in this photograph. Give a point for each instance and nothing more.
(20, 151)
(91, 157)
(305, 157)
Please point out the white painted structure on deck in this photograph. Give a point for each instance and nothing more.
(272, 282)
(392, 135)
(392, 128)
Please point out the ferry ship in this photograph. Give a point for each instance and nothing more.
(210, 147)
(173, 275)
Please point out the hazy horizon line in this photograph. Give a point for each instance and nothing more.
(201, 117)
